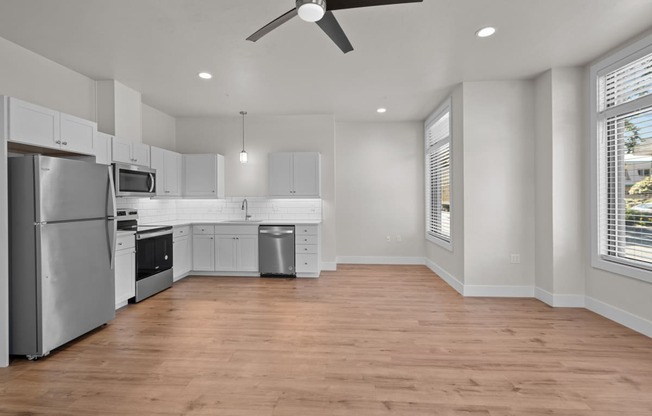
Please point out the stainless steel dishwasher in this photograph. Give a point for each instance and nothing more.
(276, 250)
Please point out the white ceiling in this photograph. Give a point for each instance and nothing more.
(406, 57)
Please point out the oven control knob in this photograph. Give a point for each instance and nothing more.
(166, 257)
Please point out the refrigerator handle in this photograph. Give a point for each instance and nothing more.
(112, 230)
(110, 196)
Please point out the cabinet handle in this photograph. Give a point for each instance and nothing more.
(213, 191)
(58, 142)
(65, 143)
(305, 264)
(181, 232)
(167, 192)
(305, 249)
(119, 244)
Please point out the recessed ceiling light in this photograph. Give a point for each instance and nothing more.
(382, 110)
(485, 32)
(204, 75)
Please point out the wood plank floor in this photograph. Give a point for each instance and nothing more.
(365, 340)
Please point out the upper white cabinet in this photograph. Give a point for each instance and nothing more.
(168, 171)
(39, 126)
(294, 174)
(203, 176)
(129, 152)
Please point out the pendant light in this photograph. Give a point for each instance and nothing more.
(243, 154)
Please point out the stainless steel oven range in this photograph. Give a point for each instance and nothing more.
(153, 254)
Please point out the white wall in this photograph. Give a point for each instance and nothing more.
(4, 244)
(159, 129)
(543, 225)
(452, 262)
(379, 186)
(498, 183)
(33, 78)
(262, 136)
(119, 110)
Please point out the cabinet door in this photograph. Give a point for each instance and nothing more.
(77, 134)
(172, 173)
(102, 148)
(247, 253)
(158, 162)
(306, 174)
(203, 253)
(181, 257)
(33, 124)
(200, 175)
(225, 253)
(140, 153)
(125, 276)
(280, 174)
(121, 151)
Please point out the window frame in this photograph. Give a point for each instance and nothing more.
(445, 107)
(620, 58)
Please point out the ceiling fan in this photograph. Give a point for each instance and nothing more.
(320, 12)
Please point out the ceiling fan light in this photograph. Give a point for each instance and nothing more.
(311, 10)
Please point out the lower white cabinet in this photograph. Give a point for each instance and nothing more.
(236, 253)
(125, 269)
(307, 249)
(182, 251)
(203, 253)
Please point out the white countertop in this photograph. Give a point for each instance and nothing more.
(180, 223)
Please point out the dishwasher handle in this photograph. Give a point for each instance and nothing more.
(276, 232)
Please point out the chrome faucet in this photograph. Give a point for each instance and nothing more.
(245, 207)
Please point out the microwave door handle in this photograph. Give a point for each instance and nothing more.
(151, 182)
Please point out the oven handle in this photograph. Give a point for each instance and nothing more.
(152, 235)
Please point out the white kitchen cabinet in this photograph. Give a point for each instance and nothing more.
(129, 152)
(43, 127)
(203, 176)
(182, 252)
(102, 148)
(125, 270)
(168, 172)
(236, 248)
(294, 174)
(307, 250)
(203, 252)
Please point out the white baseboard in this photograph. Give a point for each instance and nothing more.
(378, 260)
(330, 266)
(560, 300)
(624, 318)
(499, 291)
(445, 276)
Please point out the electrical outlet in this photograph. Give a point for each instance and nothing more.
(389, 238)
(515, 258)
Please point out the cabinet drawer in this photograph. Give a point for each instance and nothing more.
(307, 229)
(306, 248)
(236, 229)
(181, 231)
(307, 239)
(203, 229)
(125, 241)
(306, 263)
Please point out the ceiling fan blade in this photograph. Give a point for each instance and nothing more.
(332, 28)
(272, 25)
(353, 4)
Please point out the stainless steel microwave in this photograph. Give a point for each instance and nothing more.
(134, 181)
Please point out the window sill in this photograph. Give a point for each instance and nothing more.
(622, 269)
(442, 243)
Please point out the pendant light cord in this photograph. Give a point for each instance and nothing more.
(243, 129)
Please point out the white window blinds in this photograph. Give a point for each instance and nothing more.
(624, 164)
(438, 171)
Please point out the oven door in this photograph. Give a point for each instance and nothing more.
(134, 181)
(153, 253)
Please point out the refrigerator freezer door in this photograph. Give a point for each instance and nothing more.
(77, 283)
(71, 190)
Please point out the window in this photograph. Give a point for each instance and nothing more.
(622, 128)
(438, 176)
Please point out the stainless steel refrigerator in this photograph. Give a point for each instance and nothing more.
(62, 235)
